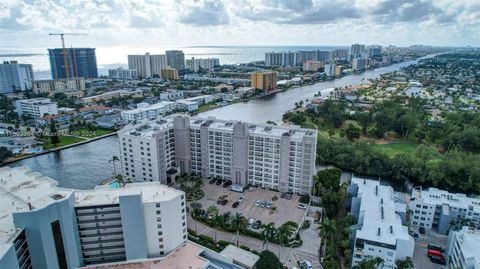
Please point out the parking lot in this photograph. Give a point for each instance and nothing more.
(285, 210)
(420, 258)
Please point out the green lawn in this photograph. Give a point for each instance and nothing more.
(64, 140)
(395, 148)
(90, 134)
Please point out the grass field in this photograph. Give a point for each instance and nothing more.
(395, 148)
(90, 134)
(206, 107)
(64, 140)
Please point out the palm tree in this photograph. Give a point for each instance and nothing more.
(196, 207)
(114, 160)
(282, 236)
(216, 223)
(212, 210)
(268, 233)
(328, 228)
(238, 222)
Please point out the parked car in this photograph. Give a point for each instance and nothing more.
(282, 195)
(421, 230)
(219, 181)
(250, 189)
(241, 199)
(258, 202)
(212, 181)
(415, 235)
(288, 196)
(434, 247)
(257, 224)
(302, 206)
(235, 205)
(307, 264)
(434, 253)
(268, 204)
(224, 202)
(438, 260)
(251, 221)
(227, 183)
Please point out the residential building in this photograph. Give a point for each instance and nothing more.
(462, 248)
(186, 105)
(339, 55)
(150, 112)
(175, 59)
(323, 55)
(338, 70)
(264, 80)
(374, 51)
(171, 95)
(82, 62)
(359, 64)
(120, 73)
(280, 158)
(111, 94)
(280, 59)
(302, 56)
(71, 86)
(244, 91)
(379, 231)
(15, 77)
(169, 73)
(36, 108)
(204, 64)
(330, 70)
(441, 210)
(44, 226)
(147, 65)
(197, 77)
(356, 51)
(312, 66)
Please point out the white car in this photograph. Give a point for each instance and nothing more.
(307, 264)
(251, 221)
(302, 206)
(241, 199)
(258, 202)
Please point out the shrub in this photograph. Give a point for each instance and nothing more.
(206, 238)
(192, 232)
(224, 243)
(268, 260)
(245, 247)
(306, 224)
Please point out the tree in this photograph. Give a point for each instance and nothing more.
(196, 207)
(54, 139)
(282, 236)
(5, 154)
(405, 264)
(114, 161)
(352, 132)
(238, 222)
(268, 260)
(328, 229)
(212, 210)
(369, 263)
(268, 234)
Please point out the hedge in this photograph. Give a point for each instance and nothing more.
(245, 247)
(206, 238)
(224, 243)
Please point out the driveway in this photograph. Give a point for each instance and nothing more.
(420, 258)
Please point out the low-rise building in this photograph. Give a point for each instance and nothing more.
(36, 107)
(244, 91)
(94, 110)
(111, 94)
(44, 226)
(312, 66)
(441, 210)
(462, 248)
(186, 105)
(171, 95)
(379, 231)
(150, 112)
(70, 87)
(169, 73)
(120, 73)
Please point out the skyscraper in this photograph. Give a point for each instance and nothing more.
(82, 62)
(356, 50)
(147, 65)
(175, 59)
(15, 77)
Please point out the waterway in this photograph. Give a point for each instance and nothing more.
(85, 166)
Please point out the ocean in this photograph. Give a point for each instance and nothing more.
(112, 57)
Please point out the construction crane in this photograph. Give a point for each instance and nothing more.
(64, 51)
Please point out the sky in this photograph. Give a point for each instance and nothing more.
(26, 23)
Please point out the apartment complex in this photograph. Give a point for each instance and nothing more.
(379, 231)
(70, 86)
(440, 210)
(149, 112)
(44, 226)
(280, 158)
(205, 64)
(82, 62)
(264, 80)
(359, 64)
(330, 70)
(36, 108)
(120, 73)
(311, 66)
(147, 65)
(462, 248)
(15, 77)
(175, 59)
(169, 73)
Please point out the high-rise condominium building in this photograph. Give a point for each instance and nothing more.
(264, 80)
(120, 73)
(147, 65)
(169, 73)
(330, 70)
(280, 158)
(374, 51)
(36, 107)
(15, 77)
(356, 51)
(175, 59)
(205, 64)
(311, 66)
(52, 86)
(44, 226)
(280, 59)
(462, 248)
(82, 62)
(359, 64)
(379, 231)
(441, 210)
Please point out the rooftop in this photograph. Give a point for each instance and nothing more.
(380, 222)
(148, 130)
(438, 197)
(155, 106)
(469, 241)
(241, 256)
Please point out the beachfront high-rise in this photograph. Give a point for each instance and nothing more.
(280, 158)
(264, 80)
(44, 226)
(147, 65)
(82, 62)
(175, 59)
(15, 77)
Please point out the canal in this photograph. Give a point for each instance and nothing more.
(85, 166)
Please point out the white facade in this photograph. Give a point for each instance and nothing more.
(149, 112)
(275, 157)
(171, 95)
(280, 58)
(15, 77)
(121, 73)
(36, 108)
(205, 64)
(311, 66)
(59, 85)
(147, 65)
(439, 209)
(107, 224)
(359, 64)
(462, 249)
(379, 231)
(330, 70)
(186, 105)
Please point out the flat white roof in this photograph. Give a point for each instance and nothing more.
(375, 199)
(469, 241)
(439, 197)
(240, 255)
(155, 106)
(147, 130)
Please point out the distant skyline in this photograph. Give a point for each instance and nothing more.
(239, 22)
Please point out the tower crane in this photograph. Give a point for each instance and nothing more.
(64, 51)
